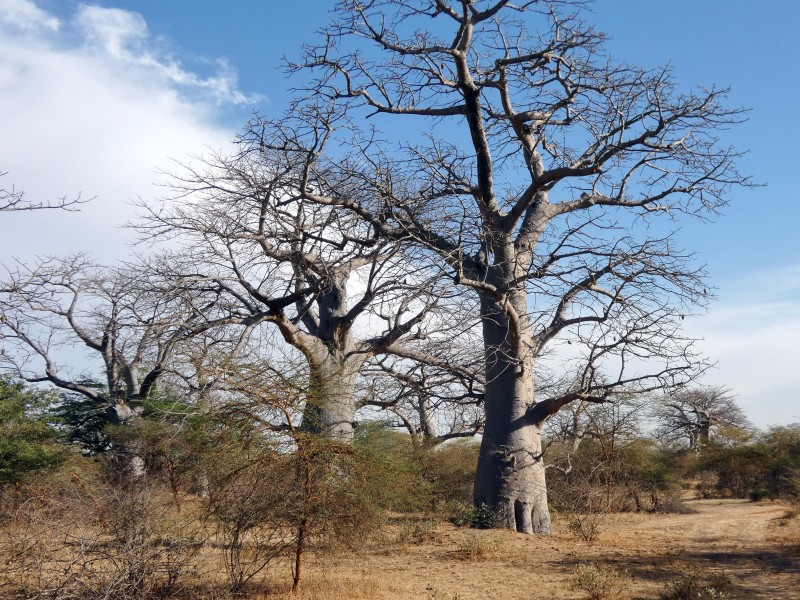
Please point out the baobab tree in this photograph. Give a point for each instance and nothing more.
(537, 173)
(335, 293)
(62, 317)
(696, 414)
(436, 398)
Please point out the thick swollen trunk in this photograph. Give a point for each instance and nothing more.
(704, 432)
(510, 477)
(128, 459)
(330, 409)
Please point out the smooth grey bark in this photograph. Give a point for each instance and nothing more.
(330, 403)
(510, 475)
(128, 460)
(333, 362)
(332, 356)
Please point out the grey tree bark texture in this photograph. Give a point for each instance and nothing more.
(510, 475)
(505, 145)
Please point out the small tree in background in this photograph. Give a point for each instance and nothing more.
(698, 415)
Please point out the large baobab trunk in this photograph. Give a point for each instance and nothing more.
(128, 459)
(330, 409)
(510, 476)
(703, 436)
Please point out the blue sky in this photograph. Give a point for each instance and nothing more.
(95, 97)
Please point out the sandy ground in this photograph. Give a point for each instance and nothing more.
(749, 544)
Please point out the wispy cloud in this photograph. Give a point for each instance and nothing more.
(94, 103)
(24, 15)
(123, 37)
(752, 332)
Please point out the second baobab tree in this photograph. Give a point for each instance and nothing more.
(696, 415)
(336, 294)
(541, 175)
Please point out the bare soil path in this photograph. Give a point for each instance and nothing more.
(747, 544)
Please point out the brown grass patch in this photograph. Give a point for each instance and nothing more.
(744, 542)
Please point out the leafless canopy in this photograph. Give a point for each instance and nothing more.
(337, 293)
(59, 307)
(696, 415)
(533, 170)
(530, 161)
(12, 199)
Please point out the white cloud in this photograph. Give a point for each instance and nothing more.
(26, 16)
(113, 30)
(752, 332)
(95, 107)
(123, 36)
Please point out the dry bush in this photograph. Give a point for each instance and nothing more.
(418, 477)
(248, 491)
(269, 496)
(634, 477)
(586, 526)
(450, 469)
(476, 547)
(599, 582)
(416, 530)
(99, 539)
(790, 516)
(690, 585)
(585, 509)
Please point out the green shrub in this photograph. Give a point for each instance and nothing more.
(397, 468)
(418, 477)
(450, 470)
(462, 514)
(484, 517)
(459, 513)
(27, 444)
(768, 467)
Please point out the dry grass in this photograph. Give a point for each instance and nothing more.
(476, 546)
(753, 545)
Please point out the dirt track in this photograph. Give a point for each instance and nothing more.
(740, 540)
(743, 539)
